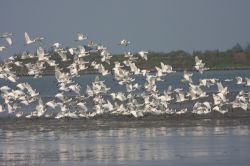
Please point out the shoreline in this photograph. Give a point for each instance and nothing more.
(152, 119)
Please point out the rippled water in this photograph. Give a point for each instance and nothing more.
(123, 142)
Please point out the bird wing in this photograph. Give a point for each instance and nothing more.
(40, 53)
(220, 87)
(27, 38)
(207, 104)
(8, 39)
(58, 74)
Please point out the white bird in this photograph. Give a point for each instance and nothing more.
(228, 80)
(182, 111)
(119, 96)
(72, 50)
(219, 99)
(108, 106)
(166, 68)
(30, 90)
(60, 96)
(52, 63)
(63, 55)
(89, 91)
(10, 109)
(134, 69)
(82, 105)
(208, 82)
(241, 101)
(56, 45)
(2, 48)
(136, 114)
(101, 47)
(81, 36)
(130, 56)
(1, 109)
(239, 80)
(70, 115)
(201, 108)
(51, 104)
(166, 97)
(143, 54)
(222, 89)
(41, 54)
(82, 52)
(29, 41)
(75, 88)
(19, 114)
(220, 110)
(102, 70)
(195, 92)
(132, 87)
(40, 109)
(5, 89)
(199, 65)
(180, 97)
(18, 63)
(92, 44)
(247, 81)
(7, 36)
(159, 72)
(106, 56)
(124, 42)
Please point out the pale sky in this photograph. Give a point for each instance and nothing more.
(157, 25)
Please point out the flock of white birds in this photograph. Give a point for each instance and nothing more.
(118, 103)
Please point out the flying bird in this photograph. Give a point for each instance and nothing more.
(7, 36)
(80, 36)
(2, 48)
(124, 42)
(28, 40)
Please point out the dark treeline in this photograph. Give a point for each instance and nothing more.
(235, 58)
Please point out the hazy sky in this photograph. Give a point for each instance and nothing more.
(157, 25)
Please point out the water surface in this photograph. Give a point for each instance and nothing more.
(123, 142)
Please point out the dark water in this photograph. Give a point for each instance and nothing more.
(125, 142)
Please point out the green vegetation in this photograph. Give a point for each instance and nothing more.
(234, 58)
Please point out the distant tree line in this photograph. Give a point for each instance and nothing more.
(235, 58)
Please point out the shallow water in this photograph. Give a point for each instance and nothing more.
(122, 142)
